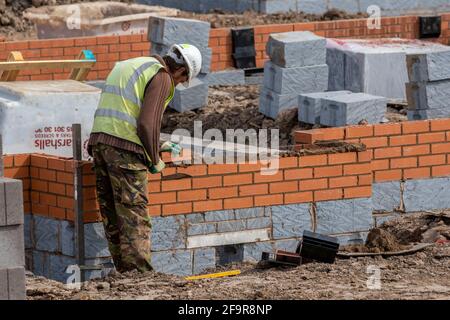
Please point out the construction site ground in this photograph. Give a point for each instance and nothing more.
(14, 26)
(423, 275)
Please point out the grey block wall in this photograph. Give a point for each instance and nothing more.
(426, 194)
(12, 240)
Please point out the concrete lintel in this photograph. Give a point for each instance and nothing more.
(212, 240)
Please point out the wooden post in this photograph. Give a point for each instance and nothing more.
(78, 199)
(11, 75)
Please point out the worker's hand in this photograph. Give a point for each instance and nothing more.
(172, 147)
(158, 167)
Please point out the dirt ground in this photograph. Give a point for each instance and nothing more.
(15, 27)
(423, 275)
(237, 107)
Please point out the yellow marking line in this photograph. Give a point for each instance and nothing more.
(215, 275)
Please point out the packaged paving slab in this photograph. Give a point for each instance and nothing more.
(374, 66)
(37, 116)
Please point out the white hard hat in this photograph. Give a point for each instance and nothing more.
(192, 58)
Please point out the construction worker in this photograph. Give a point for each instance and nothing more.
(124, 143)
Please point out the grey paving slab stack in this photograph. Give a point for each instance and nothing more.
(166, 31)
(428, 91)
(12, 247)
(297, 65)
(310, 105)
(351, 109)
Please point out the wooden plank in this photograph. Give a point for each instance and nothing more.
(412, 250)
(12, 74)
(80, 74)
(22, 65)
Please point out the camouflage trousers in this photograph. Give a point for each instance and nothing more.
(122, 195)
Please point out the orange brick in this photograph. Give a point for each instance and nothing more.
(432, 160)
(65, 202)
(89, 180)
(177, 208)
(296, 174)
(333, 133)
(365, 156)
(268, 200)
(222, 193)
(56, 164)
(339, 158)
(130, 38)
(329, 171)
(416, 173)
(313, 184)
(440, 148)
(38, 161)
(194, 170)
(193, 195)
(222, 168)
(365, 179)
(403, 140)
(239, 179)
(387, 153)
(376, 142)
(440, 124)
(48, 175)
(358, 192)
(288, 162)
(273, 28)
(90, 205)
(308, 136)
(251, 167)
(154, 186)
(358, 131)
(283, 187)
(298, 197)
(388, 175)
(313, 161)
(416, 150)
(410, 162)
(431, 137)
(21, 160)
(415, 126)
(387, 129)
(64, 177)
(361, 168)
(39, 185)
(39, 209)
(154, 211)
(207, 182)
(48, 199)
(330, 194)
(172, 185)
(251, 190)
(343, 182)
(380, 164)
(209, 205)
(305, 26)
(8, 161)
(17, 173)
(34, 196)
(260, 178)
(238, 203)
(439, 171)
(164, 197)
(107, 39)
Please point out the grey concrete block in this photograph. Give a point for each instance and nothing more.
(225, 78)
(290, 220)
(177, 262)
(159, 49)
(203, 228)
(204, 259)
(271, 104)
(4, 291)
(41, 263)
(230, 226)
(336, 71)
(108, 267)
(228, 254)
(16, 283)
(191, 98)
(168, 233)
(259, 223)
(169, 30)
(431, 95)
(267, 211)
(220, 215)
(11, 202)
(351, 109)
(296, 49)
(46, 233)
(254, 79)
(249, 213)
(195, 218)
(310, 105)
(12, 248)
(206, 60)
(58, 267)
(414, 115)
(431, 66)
(28, 231)
(386, 196)
(253, 251)
(287, 245)
(426, 194)
(67, 238)
(96, 245)
(344, 216)
(295, 79)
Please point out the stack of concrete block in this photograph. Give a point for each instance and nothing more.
(297, 65)
(163, 32)
(352, 109)
(428, 91)
(12, 248)
(310, 105)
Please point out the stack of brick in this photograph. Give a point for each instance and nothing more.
(340, 108)
(428, 90)
(297, 65)
(166, 31)
(12, 250)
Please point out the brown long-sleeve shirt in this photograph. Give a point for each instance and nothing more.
(149, 121)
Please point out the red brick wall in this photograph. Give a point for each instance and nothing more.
(110, 49)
